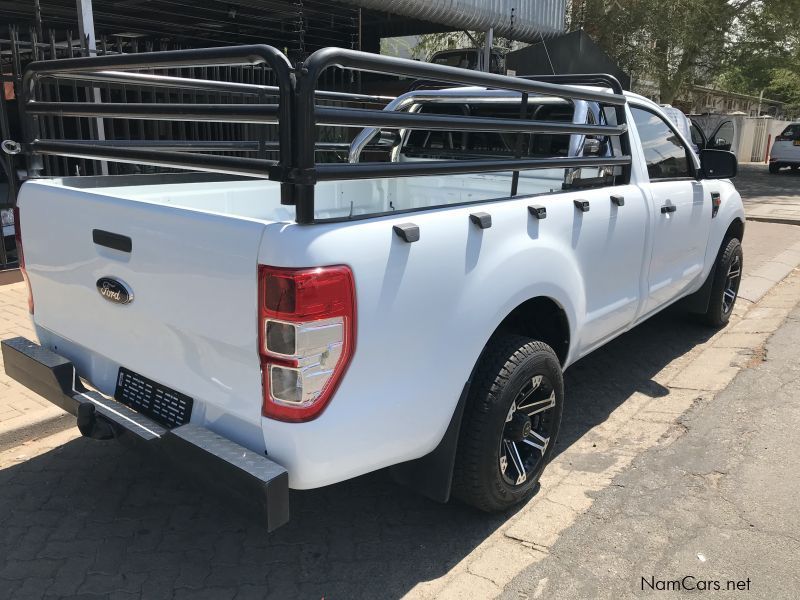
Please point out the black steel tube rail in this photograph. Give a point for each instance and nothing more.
(333, 172)
(359, 117)
(224, 56)
(170, 59)
(200, 146)
(599, 79)
(363, 61)
(229, 113)
(230, 165)
(188, 145)
(208, 85)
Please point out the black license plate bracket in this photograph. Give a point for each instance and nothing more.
(159, 402)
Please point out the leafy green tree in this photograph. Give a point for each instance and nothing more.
(671, 43)
(764, 54)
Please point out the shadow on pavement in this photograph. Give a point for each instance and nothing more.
(756, 183)
(94, 518)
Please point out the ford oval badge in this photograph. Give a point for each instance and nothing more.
(114, 290)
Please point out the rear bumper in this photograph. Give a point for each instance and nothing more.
(220, 464)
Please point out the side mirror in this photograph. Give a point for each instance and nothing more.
(718, 164)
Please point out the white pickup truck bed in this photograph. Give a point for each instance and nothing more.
(196, 248)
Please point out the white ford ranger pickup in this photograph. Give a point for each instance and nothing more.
(294, 322)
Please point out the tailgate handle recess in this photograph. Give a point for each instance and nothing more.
(112, 240)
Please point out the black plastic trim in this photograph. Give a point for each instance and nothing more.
(581, 205)
(408, 232)
(432, 475)
(618, 200)
(482, 219)
(540, 212)
(112, 240)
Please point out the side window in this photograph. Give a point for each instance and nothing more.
(664, 152)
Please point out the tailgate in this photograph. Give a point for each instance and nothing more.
(192, 323)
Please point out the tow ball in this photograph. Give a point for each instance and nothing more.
(93, 427)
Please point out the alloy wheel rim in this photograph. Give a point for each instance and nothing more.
(731, 284)
(527, 431)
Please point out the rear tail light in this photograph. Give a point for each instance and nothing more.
(21, 256)
(307, 327)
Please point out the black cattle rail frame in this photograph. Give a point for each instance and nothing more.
(297, 115)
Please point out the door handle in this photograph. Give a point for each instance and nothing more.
(668, 208)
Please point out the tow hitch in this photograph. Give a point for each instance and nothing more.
(92, 427)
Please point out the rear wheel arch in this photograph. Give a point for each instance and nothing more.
(541, 318)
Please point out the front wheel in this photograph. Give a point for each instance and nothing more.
(725, 288)
(510, 424)
(774, 168)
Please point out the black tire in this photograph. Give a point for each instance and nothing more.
(720, 304)
(507, 366)
(774, 168)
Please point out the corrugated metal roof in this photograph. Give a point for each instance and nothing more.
(524, 20)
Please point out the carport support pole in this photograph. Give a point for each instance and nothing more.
(86, 29)
(487, 50)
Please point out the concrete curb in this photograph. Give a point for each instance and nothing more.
(778, 220)
(770, 274)
(30, 427)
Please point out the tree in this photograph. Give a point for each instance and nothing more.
(670, 43)
(764, 54)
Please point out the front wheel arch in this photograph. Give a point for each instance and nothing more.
(698, 301)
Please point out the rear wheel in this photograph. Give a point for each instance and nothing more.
(725, 288)
(774, 168)
(510, 424)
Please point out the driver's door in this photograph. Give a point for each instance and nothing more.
(679, 206)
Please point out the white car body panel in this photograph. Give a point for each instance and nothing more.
(424, 310)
